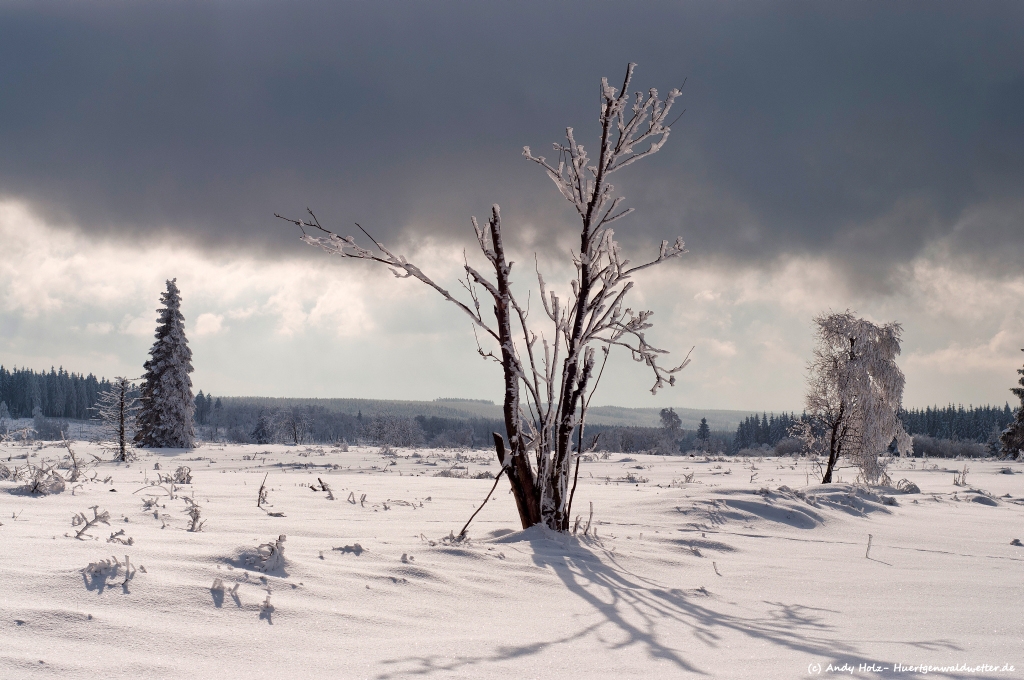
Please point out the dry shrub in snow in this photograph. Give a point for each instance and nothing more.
(183, 475)
(43, 479)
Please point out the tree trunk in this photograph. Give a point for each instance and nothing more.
(835, 445)
(520, 476)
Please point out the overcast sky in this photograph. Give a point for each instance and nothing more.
(832, 155)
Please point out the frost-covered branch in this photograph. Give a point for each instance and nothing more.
(346, 246)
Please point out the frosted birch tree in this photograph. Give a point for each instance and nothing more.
(166, 404)
(550, 374)
(117, 409)
(855, 391)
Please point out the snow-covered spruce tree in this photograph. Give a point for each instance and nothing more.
(1012, 438)
(557, 370)
(166, 404)
(117, 409)
(704, 433)
(855, 390)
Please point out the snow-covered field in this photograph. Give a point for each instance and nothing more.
(744, 570)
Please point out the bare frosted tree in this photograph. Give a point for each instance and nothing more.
(549, 377)
(292, 424)
(117, 408)
(854, 394)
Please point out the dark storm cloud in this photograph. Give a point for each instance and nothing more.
(863, 130)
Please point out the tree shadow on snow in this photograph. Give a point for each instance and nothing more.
(634, 609)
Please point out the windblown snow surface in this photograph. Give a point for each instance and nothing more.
(693, 567)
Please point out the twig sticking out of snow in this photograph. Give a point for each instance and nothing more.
(194, 513)
(116, 538)
(261, 497)
(590, 519)
(494, 486)
(324, 487)
(867, 553)
(75, 468)
(87, 523)
(715, 565)
(129, 573)
(267, 609)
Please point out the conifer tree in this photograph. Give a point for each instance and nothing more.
(166, 404)
(704, 433)
(117, 410)
(1012, 437)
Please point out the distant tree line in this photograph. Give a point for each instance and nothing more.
(57, 394)
(259, 421)
(764, 430)
(975, 423)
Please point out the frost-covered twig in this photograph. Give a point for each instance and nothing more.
(261, 496)
(87, 523)
(116, 537)
(194, 514)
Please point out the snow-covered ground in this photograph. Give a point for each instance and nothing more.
(744, 570)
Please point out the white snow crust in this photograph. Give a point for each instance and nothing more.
(750, 570)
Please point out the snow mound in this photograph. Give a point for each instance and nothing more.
(977, 496)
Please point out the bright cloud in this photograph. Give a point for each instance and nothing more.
(313, 325)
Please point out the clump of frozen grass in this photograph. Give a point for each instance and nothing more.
(907, 486)
(269, 556)
(456, 471)
(104, 569)
(5, 473)
(960, 478)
